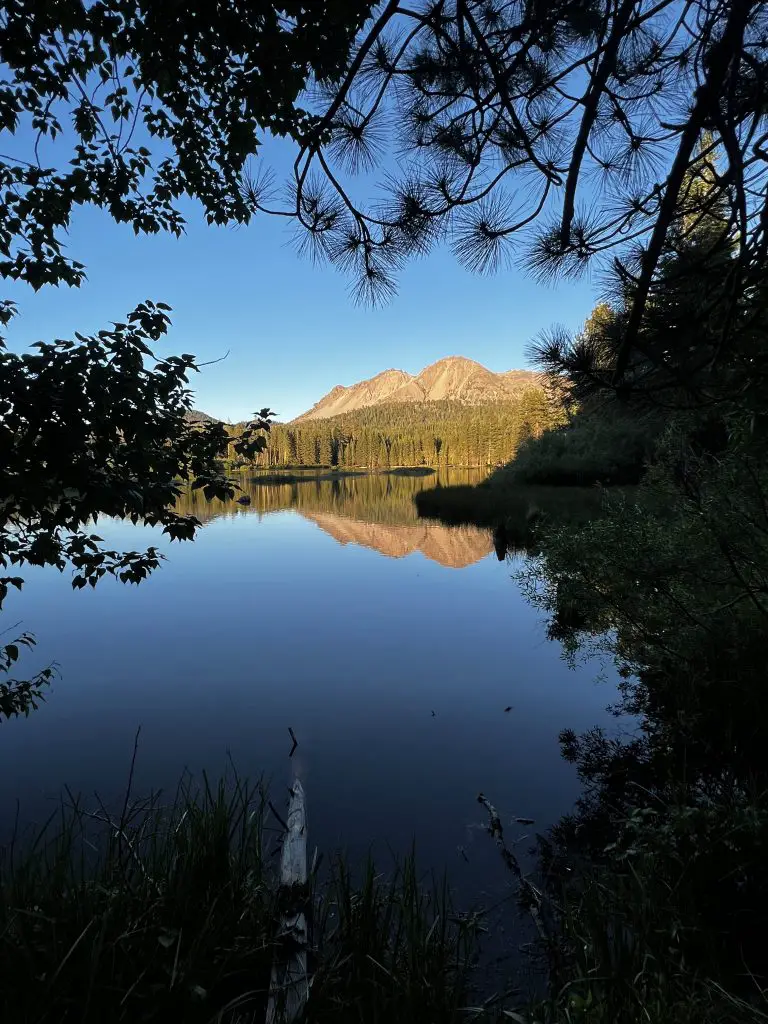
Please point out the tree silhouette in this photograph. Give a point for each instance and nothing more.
(555, 133)
(127, 106)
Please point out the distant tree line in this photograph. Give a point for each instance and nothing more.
(444, 433)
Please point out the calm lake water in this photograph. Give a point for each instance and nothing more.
(390, 645)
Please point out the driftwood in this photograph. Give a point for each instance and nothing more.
(289, 983)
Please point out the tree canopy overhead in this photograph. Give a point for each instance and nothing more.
(555, 133)
(146, 101)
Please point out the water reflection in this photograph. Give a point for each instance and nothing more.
(374, 511)
(453, 546)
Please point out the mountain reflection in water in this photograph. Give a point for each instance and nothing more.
(373, 510)
(453, 546)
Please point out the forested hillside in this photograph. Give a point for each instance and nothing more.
(599, 444)
(413, 434)
(603, 439)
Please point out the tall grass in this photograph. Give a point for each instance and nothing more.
(168, 912)
(391, 950)
(158, 912)
(614, 970)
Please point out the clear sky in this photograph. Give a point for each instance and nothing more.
(290, 327)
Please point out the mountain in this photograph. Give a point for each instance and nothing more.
(454, 379)
(196, 416)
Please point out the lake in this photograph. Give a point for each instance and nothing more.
(391, 646)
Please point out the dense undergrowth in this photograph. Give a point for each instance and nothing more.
(657, 883)
(673, 823)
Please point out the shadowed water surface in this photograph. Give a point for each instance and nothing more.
(390, 645)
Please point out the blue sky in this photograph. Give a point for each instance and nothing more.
(290, 327)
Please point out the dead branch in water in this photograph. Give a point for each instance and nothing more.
(529, 894)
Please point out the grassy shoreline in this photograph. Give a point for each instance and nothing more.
(168, 911)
